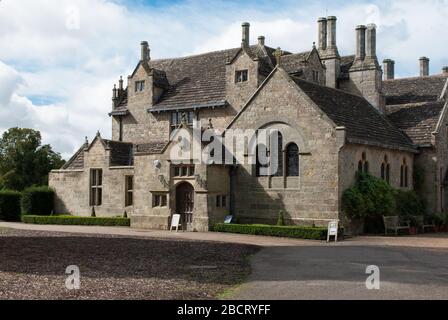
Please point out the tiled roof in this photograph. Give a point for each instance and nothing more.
(200, 79)
(77, 160)
(363, 123)
(417, 120)
(413, 90)
(294, 63)
(346, 63)
(153, 147)
(121, 153)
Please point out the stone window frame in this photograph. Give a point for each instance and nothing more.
(385, 169)
(296, 171)
(363, 164)
(221, 201)
(96, 187)
(129, 190)
(176, 118)
(281, 161)
(241, 76)
(139, 86)
(404, 174)
(315, 75)
(159, 200)
(183, 171)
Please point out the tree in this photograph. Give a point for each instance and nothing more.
(24, 162)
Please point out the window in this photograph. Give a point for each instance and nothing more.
(404, 180)
(363, 164)
(241, 76)
(292, 160)
(265, 152)
(129, 186)
(159, 200)
(96, 187)
(315, 76)
(139, 86)
(183, 171)
(277, 159)
(221, 201)
(177, 118)
(385, 170)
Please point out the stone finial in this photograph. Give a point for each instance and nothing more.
(277, 54)
(86, 141)
(210, 124)
(120, 83)
(114, 92)
(98, 133)
(314, 45)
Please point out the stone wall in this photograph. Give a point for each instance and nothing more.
(73, 189)
(310, 198)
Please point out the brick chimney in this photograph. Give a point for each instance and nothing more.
(389, 69)
(245, 36)
(424, 67)
(261, 40)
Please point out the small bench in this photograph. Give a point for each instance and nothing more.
(394, 223)
(421, 223)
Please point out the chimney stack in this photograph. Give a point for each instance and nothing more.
(144, 51)
(389, 69)
(371, 41)
(120, 84)
(322, 26)
(261, 40)
(245, 38)
(445, 70)
(331, 32)
(360, 42)
(424, 67)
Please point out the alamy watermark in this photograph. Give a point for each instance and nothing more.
(373, 280)
(73, 281)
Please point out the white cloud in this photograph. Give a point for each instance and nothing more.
(44, 54)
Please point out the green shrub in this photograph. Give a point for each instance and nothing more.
(72, 220)
(38, 201)
(10, 205)
(273, 231)
(281, 219)
(353, 203)
(409, 204)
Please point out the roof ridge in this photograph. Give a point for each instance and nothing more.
(418, 77)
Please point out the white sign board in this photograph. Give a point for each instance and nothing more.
(332, 230)
(175, 222)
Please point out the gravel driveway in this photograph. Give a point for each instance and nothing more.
(33, 264)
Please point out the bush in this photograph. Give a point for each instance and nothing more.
(281, 219)
(10, 205)
(409, 204)
(273, 231)
(38, 201)
(72, 220)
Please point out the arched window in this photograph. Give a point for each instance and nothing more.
(277, 157)
(263, 150)
(404, 179)
(363, 164)
(292, 160)
(385, 169)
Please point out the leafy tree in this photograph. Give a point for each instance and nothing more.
(24, 162)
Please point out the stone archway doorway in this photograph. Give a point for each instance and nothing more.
(185, 203)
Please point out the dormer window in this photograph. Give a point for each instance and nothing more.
(241, 76)
(177, 117)
(139, 86)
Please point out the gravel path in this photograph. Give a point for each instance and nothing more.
(33, 263)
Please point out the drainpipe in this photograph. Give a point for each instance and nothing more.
(232, 186)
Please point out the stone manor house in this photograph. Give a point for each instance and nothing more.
(336, 115)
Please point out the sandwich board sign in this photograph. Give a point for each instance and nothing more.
(332, 230)
(175, 222)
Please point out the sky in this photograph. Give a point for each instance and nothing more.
(59, 59)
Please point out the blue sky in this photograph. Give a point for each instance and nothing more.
(57, 68)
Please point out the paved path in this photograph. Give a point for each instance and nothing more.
(413, 267)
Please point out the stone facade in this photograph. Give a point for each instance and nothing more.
(335, 109)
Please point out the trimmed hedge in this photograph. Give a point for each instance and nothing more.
(81, 221)
(273, 231)
(10, 205)
(38, 201)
